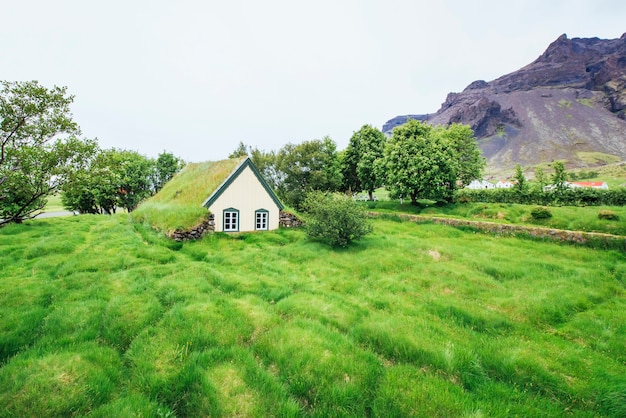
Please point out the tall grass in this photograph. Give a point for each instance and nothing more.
(101, 316)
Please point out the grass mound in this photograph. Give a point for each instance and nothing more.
(178, 205)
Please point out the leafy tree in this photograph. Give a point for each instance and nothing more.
(520, 180)
(420, 163)
(310, 165)
(559, 178)
(135, 171)
(115, 178)
(241, 151)
(95, 189)
(335, 218)
(39, 148)
(265, 162)
(78, 195)
(165, 166)
(366, 146)
(469, 160)
(540, 178)
(349, 160)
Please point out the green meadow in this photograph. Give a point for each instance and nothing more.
(103, 317)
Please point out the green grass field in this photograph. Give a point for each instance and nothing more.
(103, 317)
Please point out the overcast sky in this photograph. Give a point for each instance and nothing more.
(196, 77)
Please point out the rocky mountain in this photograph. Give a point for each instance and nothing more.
(569, 104)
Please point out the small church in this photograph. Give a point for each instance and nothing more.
(244, 201)
(223, 196)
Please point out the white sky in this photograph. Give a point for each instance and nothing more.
(196, 77)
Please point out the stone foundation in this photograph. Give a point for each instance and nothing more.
(289, 220)
(196, 232)
(285, 220)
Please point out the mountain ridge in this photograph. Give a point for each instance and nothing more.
(569, 104)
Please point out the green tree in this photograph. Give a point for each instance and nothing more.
(366, 146)
(265, 162)
(559, 178)
(469, 160)
(115, 178)
(310, 165)
(349, 160)
(165, 166)
(540, 178)
(95, 189)
(520, 180)
(419, 163)
(335, 219)
(135, 171)
(39, 148)
(242, 150)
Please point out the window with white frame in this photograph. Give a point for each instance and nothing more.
(231, 220)
(260, 220)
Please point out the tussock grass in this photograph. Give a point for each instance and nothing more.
(178, 205)
(100, 316)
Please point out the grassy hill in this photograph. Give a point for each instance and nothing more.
(178, 205)
(104, 317)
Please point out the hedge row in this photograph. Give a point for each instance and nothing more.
(567, 197)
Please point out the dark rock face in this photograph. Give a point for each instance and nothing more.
(400, 120)
(486, 116)
(568, 103)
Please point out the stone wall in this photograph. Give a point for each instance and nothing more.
(196, 232)
(561, 235)
(289, 220)
(285, 220)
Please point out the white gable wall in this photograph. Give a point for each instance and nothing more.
(247, 195)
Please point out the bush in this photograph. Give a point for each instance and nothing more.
(541, 212)
(609, 215)
(335, 219)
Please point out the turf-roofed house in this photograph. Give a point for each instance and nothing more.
(233, 191)
(244, 202)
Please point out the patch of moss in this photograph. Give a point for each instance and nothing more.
(585, 102)
(597, 157)
(565, 104)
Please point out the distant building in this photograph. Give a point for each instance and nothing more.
(480, 184)
(580, 185)
(590, 184)
(504, 184)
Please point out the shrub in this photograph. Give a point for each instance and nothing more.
(540, 212)
(335, 219)
(609, 215)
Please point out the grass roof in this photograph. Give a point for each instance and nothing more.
(178, 205)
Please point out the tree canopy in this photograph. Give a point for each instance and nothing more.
(366, 146)
(118, 178)
(39, 147)
(310, 165)
(165, 166)
(424, 162)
